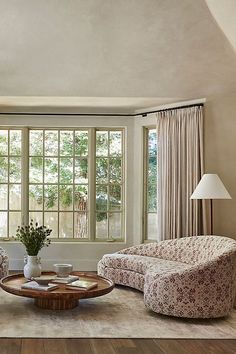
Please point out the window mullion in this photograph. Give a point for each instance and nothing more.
(92, 183)
(25, 176)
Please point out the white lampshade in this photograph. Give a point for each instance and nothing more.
(210, 187)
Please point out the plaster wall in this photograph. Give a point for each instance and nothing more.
(220, 155)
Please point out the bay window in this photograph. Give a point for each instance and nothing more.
(71, 180)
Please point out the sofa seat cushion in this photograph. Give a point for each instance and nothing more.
(140, 264)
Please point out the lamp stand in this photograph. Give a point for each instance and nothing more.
(211, 206)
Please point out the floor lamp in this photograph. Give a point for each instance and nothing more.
(210, 187)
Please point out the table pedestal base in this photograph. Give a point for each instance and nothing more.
(56, 304)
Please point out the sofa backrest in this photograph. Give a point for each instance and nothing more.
(191, 250)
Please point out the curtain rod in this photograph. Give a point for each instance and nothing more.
(144, 114)
(67, 114)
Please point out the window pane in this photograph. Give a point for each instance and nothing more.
(81, 197)
(3, 169)
(66, 143)
(101, 170)
(152, 226)
(59, 181)
(115, 170)
(50, 197)
(152, 197)
(36, 197)
(115, 225)
(81, 143)
(15, 169)
(10, 181)
(81, 225)
(152, 170)
(115, 197)
(101, 143)
(3, 224)
(115, 143)
(51, 170)
(66, 225)
(152, 142)
(3, 196)
(15, 142)
(101, 198)
(51, 143)
(3, 142)
(108, 180)
(36, 170)
(66, 197)
(36, 142)
(36, 217)
(81, 170)
(66, 170)
(101, 225)
(15, 197)
(51, 221)
(14, 222)
(71, 170)
(151, 186)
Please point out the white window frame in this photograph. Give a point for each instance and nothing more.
(122, 184)
(9, 183)
(145, 184)
(91, 210)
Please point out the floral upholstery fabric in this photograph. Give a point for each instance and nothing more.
(4, 263)
(191, 277)
(139, 264)
(189, 250)
(122, 276)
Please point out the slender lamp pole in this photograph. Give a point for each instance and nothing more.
(210, 187)
(212, 213)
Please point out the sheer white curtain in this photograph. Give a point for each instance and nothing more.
(180, 167)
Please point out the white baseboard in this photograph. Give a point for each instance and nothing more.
(47, 264)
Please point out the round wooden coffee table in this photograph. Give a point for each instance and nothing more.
(60, 298)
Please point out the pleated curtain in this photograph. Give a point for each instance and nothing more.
(180, 168)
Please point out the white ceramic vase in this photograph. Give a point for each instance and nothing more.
(32, 267)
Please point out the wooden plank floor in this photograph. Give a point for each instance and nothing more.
(117, 346)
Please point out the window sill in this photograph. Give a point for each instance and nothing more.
(4, 242)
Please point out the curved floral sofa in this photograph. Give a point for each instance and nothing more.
(191, 277)
(4, 263)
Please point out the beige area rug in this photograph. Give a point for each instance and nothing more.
(119, 314)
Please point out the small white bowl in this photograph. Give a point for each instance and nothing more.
(63, 270)
(44, 279)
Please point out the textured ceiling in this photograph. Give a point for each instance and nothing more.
(113, 48)
(224, 13)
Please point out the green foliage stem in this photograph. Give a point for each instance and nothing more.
(33, 238)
